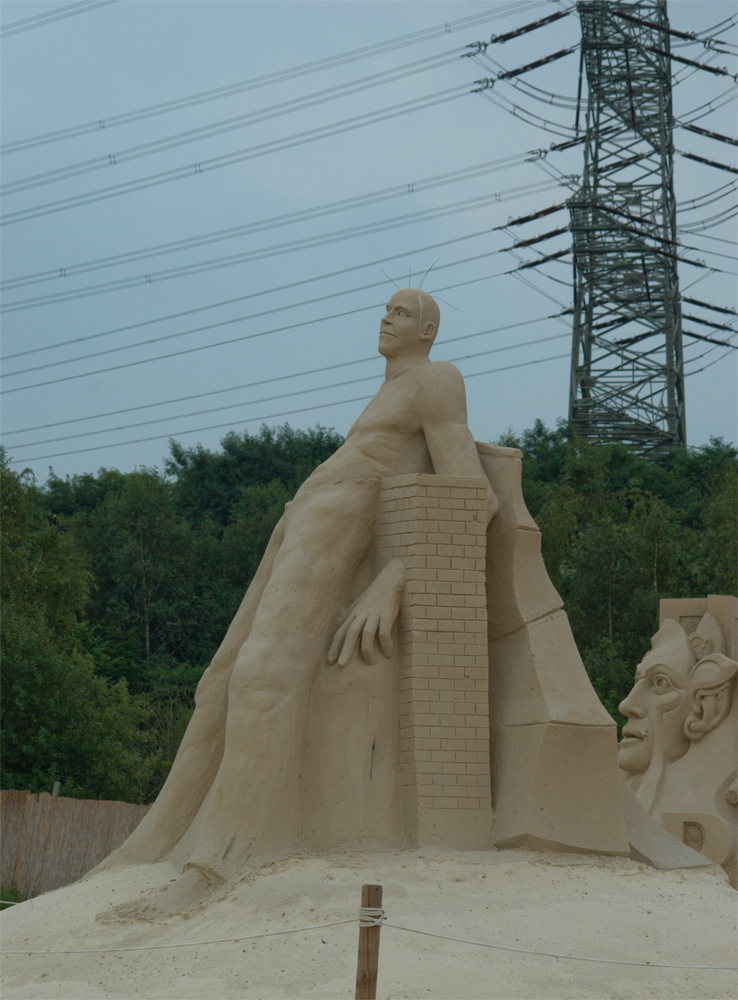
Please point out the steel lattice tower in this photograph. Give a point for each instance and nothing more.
(627, 376)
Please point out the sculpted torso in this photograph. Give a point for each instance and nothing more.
(386, 440)
(417, 421)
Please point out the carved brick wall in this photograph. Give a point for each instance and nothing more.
(437, 525)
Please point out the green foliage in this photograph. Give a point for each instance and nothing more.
(61, 720)
(118, 590)
(118, 587)
(209, 484)
(620, 533)
(10, 896)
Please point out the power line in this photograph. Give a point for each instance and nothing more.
(712, 135)
(239, 156)
(286, 395)
(291, 326)
(272, 222)
(279, 76)
(267, 381)
(221, 343)
(58, 14)
(707, 305)
(292, 246)
(266, 291)
(284, 413)
(268, 416)
(154, 146)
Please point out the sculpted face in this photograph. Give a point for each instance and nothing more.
(658, 706)
(409, 324)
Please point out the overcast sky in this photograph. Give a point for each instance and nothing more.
(298, 299)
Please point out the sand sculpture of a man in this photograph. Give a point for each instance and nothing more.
(232, 793)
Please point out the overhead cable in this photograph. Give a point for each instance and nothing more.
(706, 305)
(223, 343)
(271, 222)
(322, 387)
(240, 156)
(352, 56)
(711, 135)
(267, 416)
(131, 153)
(268, 381)
(530, 27)
(292, 246)
(49, 16)
(256, 294)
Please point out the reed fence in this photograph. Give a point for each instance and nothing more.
(51, 841)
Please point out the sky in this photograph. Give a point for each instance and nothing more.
(207, 205)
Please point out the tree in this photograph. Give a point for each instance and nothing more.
(61, 720)
(208, 484)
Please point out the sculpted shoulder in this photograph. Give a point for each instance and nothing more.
(440, 386)
(440, 376)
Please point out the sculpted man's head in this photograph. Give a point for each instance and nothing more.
(409, 325)
(682, 691)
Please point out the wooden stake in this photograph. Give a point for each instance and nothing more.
(366, 971)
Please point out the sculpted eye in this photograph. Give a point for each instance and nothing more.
(661, 683)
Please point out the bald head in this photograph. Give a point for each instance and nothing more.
(427, 307)
(409, 325)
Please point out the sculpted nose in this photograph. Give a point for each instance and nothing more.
(630, 707)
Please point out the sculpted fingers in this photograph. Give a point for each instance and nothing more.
(350, 642)
(338, 640)
(385, 636)
(367, 639)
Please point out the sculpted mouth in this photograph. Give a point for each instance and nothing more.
(632, 734)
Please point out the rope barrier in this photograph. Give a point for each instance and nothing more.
(550, 954)
(182, 944)
(375, 917)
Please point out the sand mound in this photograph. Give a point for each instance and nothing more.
(568, 905)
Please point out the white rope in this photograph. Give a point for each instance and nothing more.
(371, 916)
(182, 944)
(551, 954)
(374, 917)
(11, 902)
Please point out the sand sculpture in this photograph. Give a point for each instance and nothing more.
(679, 744)
(400, 670)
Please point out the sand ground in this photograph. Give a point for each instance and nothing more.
(569, 905)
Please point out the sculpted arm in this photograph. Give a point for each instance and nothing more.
(442, 409)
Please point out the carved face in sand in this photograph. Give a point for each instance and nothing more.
(409, 325)
(682, 691)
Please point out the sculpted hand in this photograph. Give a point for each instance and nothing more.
(371, 618)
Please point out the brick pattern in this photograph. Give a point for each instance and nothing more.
(437, 526)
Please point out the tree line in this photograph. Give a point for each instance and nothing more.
(117, 588)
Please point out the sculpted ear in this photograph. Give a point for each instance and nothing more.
(707, 638)
(711, 706)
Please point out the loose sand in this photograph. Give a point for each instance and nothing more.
(568, 905)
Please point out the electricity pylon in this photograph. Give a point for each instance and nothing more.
(627, 373)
